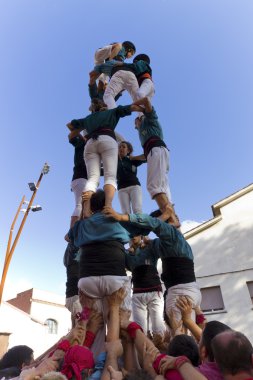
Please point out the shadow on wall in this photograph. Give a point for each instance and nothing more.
(224, 257)
(223, 250)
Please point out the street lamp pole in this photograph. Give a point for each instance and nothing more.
(10, 250)
(12, 228)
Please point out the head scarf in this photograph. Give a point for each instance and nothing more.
(76, 359)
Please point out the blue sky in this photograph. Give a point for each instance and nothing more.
(202, 58)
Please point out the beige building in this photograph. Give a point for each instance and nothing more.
(223, 254)
(35, 318)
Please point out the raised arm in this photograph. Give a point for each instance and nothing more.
(182, 365)
(136, 108)
(140, 339)
(163, 230)
(111, 213)
(133, 230)
(113, 346)
(145, 102)
(130, 356)
(77, 125)
(140, 157)
(185, 305)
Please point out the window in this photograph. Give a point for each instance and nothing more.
(250, 289)
(51, 326)
(212, 299)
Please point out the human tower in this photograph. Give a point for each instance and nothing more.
(97, 232)
(105, 342)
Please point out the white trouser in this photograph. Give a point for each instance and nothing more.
(99, 287)
(104, 149)
(101, 55)
(149, 305)
(146, 89)
(121, 80)
(191, 290)
(73, 304)
(130, 197)
(157, 172)
(78, 186)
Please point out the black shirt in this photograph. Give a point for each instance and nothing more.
(127, 172)
(79, 170)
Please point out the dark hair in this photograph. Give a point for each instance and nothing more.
(97, 201)
(142, 57)
(139, 374)
(212, 329)
(9, 373)
(85, 373)
(234, 355)
(184, 345)
(128, 45)
(98, 105)
(16, 357)
(129, 146)
(156, 213)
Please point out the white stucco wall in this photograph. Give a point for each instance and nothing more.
(22, 329)
(30, 329)
(47, 305)
(238, 311)
(223, 256)
(228, 245)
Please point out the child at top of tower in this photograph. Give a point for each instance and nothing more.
(113, 52)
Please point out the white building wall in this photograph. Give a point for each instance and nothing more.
(47, 305)
(30, 329)
(22, 329)
(238, 305)
(228, 245)
(223, 256)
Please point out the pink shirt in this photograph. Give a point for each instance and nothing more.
(211, 371)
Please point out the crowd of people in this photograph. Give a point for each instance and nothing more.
(147, 325)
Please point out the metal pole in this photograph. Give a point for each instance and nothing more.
(12, 228)
(10, 254)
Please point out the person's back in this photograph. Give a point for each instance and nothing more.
(97, 228)
(102, 259)
(176, 255)
(147, 299)
(101, 242)
(101, 117)
(143, 74)
(101, 146)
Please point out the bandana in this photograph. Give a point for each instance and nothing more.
(76, 359)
